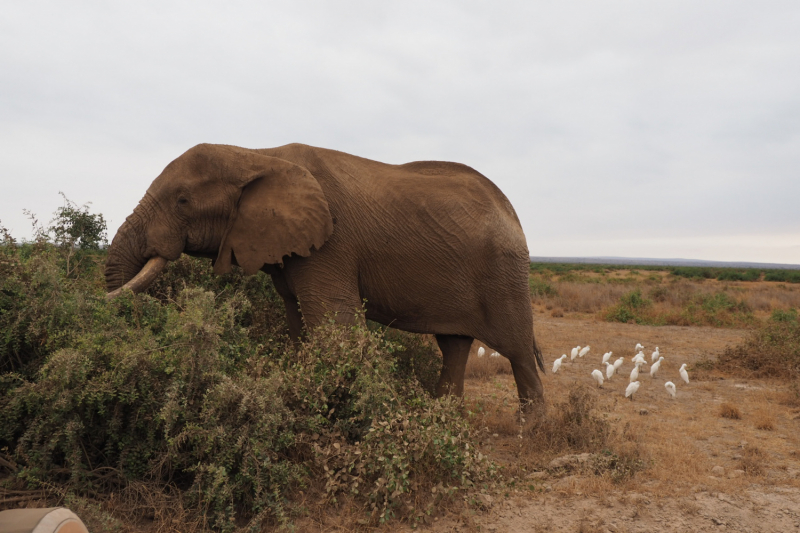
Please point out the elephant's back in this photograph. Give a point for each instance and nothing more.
(445, 205)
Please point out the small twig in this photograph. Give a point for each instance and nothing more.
(11, 465)
(22, 498)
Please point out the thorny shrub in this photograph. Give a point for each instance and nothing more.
(771, 350)
(199, 395)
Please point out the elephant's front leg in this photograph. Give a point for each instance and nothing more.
(294, 318)
(455, 352)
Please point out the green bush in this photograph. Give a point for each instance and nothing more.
(786, 276)
(632, 308)
(781, 315)
(717, 309)
(541, 287)
(194, 390)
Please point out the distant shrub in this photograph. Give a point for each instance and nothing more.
(632, 307)
(692, 272)
(739, 275)
(771, 350)
(784, 315)
(717, 309)
(786, 276)
(541, 287)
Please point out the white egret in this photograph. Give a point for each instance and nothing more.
(655, 367)
(607, 356)
(557, 363)
(583, 351)
(639, 357)
(635, 372)
(494, 354)
(574, 353)
(655, 355)
(481, 351)
(598, 377)
(670, 386)
(609, 370)
(638, 347)
(684, 373)
(618, 363)
(631, 389)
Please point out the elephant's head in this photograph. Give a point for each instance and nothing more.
(232, 204)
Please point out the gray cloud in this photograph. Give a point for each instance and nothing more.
(666, 129)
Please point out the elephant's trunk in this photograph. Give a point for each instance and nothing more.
(128, 264)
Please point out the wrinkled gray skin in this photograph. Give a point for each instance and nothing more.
(432, 247)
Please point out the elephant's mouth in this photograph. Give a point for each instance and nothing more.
(143, 279)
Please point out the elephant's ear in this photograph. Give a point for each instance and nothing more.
(282, 210)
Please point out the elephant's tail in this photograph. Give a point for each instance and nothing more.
(539, 357)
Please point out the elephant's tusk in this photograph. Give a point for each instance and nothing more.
(143, 279)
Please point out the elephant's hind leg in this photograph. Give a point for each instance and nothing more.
(455, 352)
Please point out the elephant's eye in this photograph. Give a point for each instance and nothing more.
(182, 200)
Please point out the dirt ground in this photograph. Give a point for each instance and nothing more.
(702, 471)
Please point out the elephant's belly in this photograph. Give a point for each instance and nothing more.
(421, 309)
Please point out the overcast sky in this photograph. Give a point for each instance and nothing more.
(666, 129)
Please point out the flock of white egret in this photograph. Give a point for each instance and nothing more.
(481, 351)
(638, 360)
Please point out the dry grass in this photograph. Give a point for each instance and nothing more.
(764, 420)
(729, 411)
(772, 350)
(676, 301)
(485, 367)
(667, 451)
(572, 425)
(753, 461)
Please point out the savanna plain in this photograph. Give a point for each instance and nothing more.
(186, 408)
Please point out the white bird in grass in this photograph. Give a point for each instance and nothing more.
(606, 357)
(609, 370)
(557, 363)
(618, 363)
(635, 373)
(655, 367)
(598, 377)
(494, 354)
(670, 386)
(631, 390)
(684, 373)
(574, 353)
(584, 351)
(655, 355)
(639, 347)
(639, 358)
(481, 351)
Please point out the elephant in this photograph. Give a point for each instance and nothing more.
(427, 247)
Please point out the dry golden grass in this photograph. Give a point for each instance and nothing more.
(753, 461)
(486, 366)
(764, 420)
(729, 411)
(592, 293)
(658, 445)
